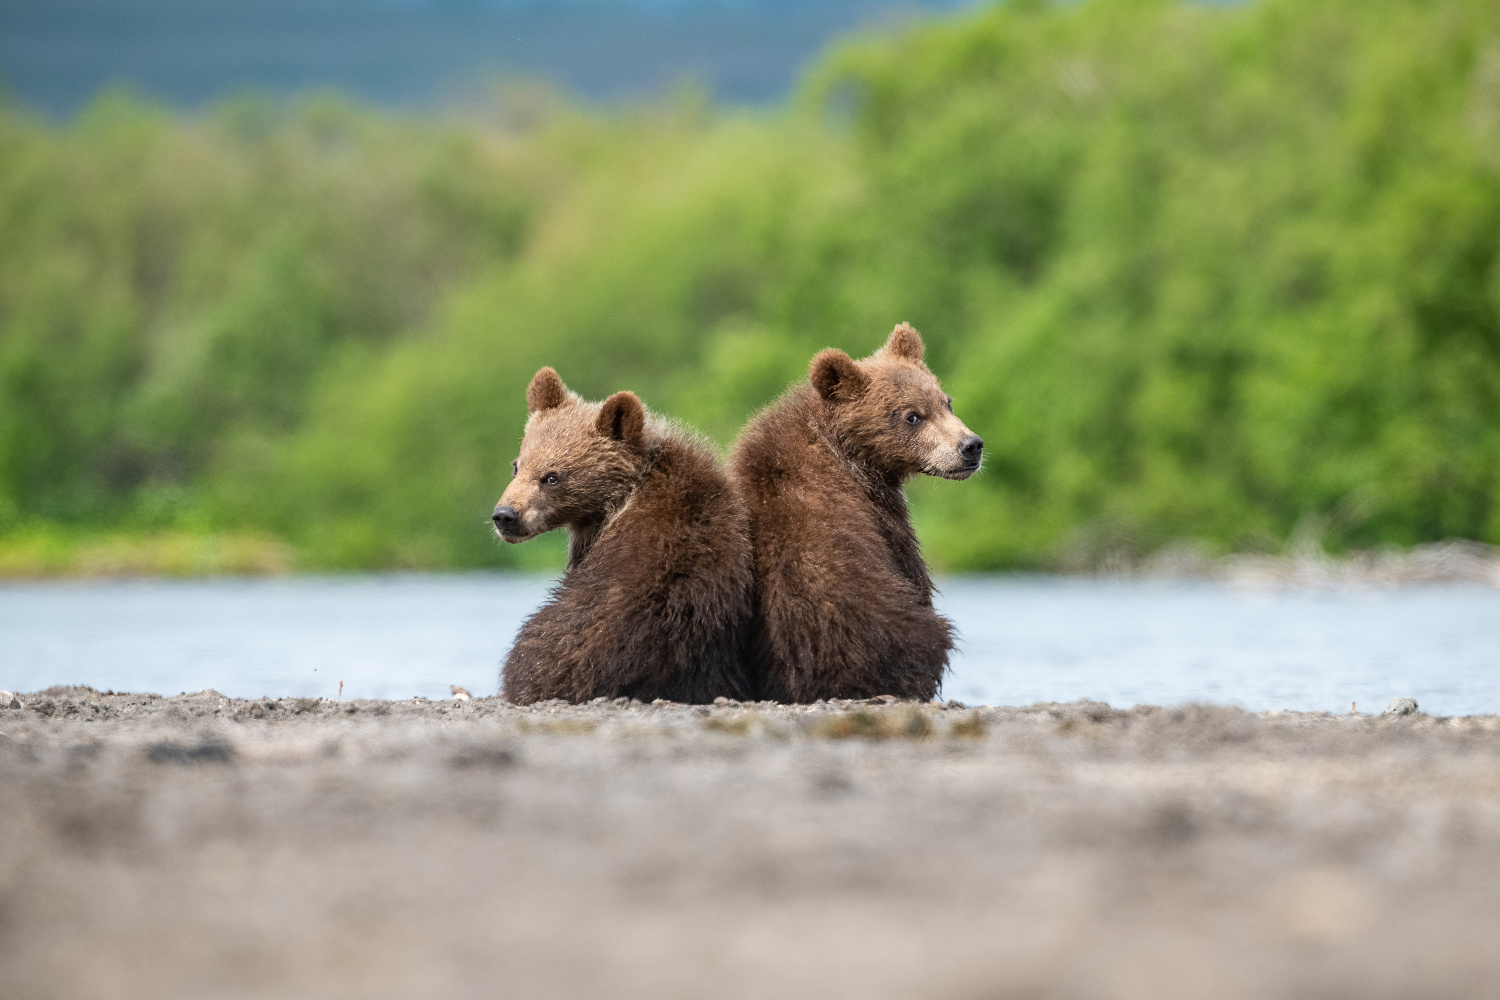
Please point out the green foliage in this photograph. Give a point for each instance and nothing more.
(1196, 273)
(168, 286)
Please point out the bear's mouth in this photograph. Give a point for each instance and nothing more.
(962, 472)
(515, 537)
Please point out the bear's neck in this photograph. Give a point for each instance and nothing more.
(583, 535)
(887, 498)
(884, 485)
(581, 538)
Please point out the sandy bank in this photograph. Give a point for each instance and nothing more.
(1456, 561)
(210, 847)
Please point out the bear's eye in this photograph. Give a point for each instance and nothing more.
(914, 418)
(949, 403)
(551, 479)
(515, 469)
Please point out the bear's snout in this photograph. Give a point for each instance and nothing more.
(507, 521)
(970, 448)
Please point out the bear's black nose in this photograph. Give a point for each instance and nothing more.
(506, 519)
(970, 448)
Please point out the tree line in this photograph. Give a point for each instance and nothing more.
(1207, 275)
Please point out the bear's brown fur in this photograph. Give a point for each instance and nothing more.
(843, 598)
(657, 594)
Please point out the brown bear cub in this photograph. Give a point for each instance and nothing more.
(657, 594)
(843, 598)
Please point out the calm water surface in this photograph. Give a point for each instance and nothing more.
(1023, 639)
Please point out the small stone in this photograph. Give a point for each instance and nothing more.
(955, 703)
(9, 700)
(207, 752)
(459, 694)
(1401, 706)
(721, 701)
(833, 784)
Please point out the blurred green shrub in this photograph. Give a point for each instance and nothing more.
(1196, 273)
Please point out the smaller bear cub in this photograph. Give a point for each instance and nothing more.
(657, 593)
(844, 600)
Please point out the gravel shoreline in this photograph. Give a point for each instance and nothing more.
(1456, 561)
(213, 847)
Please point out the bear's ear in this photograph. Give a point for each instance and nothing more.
(904, 342)
(545, 392)
(836, 377)
(623, 418)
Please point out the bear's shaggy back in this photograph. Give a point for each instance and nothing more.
(843, 596)
(656, 599)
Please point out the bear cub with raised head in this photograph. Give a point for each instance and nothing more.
(657, 594)
(843, 598)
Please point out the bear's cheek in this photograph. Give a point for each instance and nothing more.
(534, 521)
(939, 455)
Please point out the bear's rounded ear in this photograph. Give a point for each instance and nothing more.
(623, 418)
(905, 342)
(836, 377)
(545, 392)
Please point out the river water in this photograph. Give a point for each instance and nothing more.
(1022, 640)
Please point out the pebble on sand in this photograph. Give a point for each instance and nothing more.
(1401, 706)
(459, 694)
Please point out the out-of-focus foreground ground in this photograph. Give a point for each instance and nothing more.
(211, 847)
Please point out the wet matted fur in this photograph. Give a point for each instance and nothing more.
(656, 598)
(843, 597)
